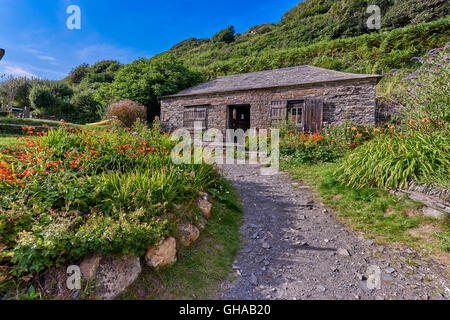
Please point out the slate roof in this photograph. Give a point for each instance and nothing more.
(301, 75)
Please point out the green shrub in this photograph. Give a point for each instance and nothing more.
(76, 192)
(328, 146)
(127, 112)
(392, 161)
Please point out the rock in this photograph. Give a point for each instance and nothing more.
(326, 240)
(343, 252)
(253, 280)
(203, 195)
(265, 245)
(188, 233)
(201, 223)
(368, 242)
(205, 206)
(302, 217)
(321, 289)
(434, 213)
(114, 275)
(390, 270)
(89, 266)
(295, 184)
(163, 254)
(361, 277)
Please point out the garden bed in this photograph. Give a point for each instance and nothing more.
(75, 193)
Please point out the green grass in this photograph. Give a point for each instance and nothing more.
(32, 122)
(202, 267)
(7, 139)
(375, 212)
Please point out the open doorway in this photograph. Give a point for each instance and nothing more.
(239, 117)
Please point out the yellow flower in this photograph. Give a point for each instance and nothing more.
(376, 130)
(354, 129)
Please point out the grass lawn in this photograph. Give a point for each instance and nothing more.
(7, 139)
(203, 266)
(377, 213)
(31, 122)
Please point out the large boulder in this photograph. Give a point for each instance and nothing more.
(164, 253)
(89, 266)
(112, 274)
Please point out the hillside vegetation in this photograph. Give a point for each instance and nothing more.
(326, 33)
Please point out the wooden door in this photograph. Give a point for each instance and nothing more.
(313, 117)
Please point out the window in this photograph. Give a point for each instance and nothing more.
(295, 113)
(195, 114)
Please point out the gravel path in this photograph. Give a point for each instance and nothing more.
(294, 248)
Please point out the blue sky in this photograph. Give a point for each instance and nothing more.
(39, 44)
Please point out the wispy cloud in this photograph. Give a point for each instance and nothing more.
(17, 71)
(47, 58)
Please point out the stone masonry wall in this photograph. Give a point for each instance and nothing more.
(344, 101)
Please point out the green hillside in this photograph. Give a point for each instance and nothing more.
(326, 33)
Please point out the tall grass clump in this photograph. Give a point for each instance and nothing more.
(394, 161)
(420, 149)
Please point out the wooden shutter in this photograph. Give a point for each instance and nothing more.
(194, 114)
(313, 118)
(277, 113)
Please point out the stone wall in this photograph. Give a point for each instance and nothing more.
(344, 101)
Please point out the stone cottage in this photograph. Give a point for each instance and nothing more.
(308, 96)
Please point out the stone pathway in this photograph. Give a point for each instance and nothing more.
(294, 248)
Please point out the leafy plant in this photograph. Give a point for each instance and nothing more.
(127, 112)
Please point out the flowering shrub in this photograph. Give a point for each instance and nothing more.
(74, 192)
(127, 112)
(425, 94)
(328, 146)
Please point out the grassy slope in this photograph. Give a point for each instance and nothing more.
(375, 212)
(329, 34)
(202, 267)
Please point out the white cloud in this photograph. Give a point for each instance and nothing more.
(17, 71)
(47, 58)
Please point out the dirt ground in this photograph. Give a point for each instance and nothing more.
(294, 248)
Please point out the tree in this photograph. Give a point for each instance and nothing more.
(144, 80)
(9, 89)
(84, 108)
(44, 101)
(226, 35)
(78, 74)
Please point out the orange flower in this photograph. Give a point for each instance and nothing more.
(425, 120)
(354, 129)
(376, 130)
